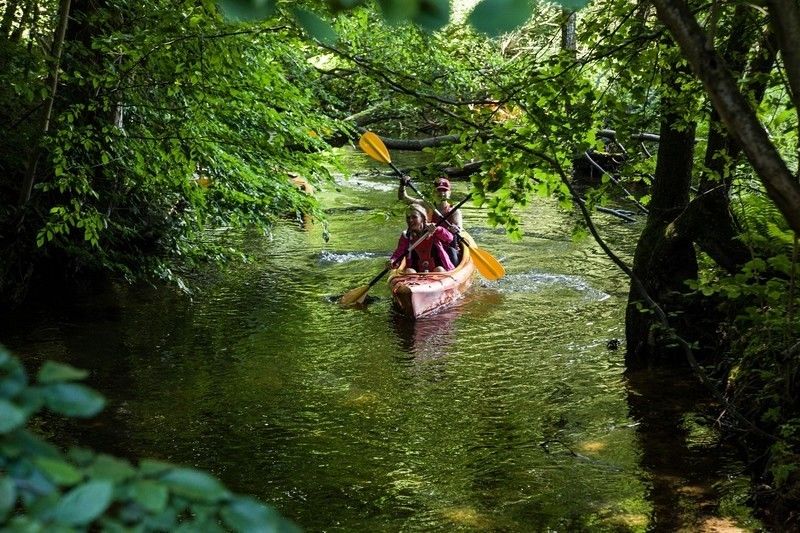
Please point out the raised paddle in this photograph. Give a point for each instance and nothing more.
(489, 267)
(358, 294)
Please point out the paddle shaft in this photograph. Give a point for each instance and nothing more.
(483, 263)
(486, 264)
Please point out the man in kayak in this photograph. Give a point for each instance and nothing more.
(430, 255)
(455, 221)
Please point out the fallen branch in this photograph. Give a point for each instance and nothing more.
(412, 145)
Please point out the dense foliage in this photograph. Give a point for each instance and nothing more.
(167, 120)
(80, 489)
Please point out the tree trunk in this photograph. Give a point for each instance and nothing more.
(419, 144)
(569, 39)
(661, 263)
(735, 111)
(52, 85)
(708, 219)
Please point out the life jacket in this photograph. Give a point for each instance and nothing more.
(428, 254)
(452, 250)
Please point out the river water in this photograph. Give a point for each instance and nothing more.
(509, 412)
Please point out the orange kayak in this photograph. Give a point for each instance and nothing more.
(423, 294)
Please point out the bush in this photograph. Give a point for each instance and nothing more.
(43, 488)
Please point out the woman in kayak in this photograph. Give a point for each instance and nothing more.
(443, 206)
(430, 255)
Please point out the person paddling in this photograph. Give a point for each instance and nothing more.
(442, 186)
(443, 206)
(430, 255)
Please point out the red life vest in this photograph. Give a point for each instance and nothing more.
(422, 257)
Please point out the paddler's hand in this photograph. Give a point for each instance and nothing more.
(405, 180)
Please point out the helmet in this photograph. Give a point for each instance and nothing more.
(442, 184)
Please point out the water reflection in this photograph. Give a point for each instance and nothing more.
(427, 337)
(504, 413)
(685, 463)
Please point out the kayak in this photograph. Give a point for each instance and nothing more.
(422, 294)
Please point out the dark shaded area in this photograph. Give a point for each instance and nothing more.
(683, 469)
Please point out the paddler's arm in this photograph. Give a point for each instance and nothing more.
(443, 235)
(456, 220)
(399, 252)
(403, 195)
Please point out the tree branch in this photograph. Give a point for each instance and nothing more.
(734, 110)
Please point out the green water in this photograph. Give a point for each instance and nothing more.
(506, 413)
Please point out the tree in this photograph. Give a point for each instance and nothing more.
(153, 104)
(735, 111)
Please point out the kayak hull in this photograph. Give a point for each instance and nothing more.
(423, 294)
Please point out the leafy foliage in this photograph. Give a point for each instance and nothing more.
(168, 121)
(43, 488)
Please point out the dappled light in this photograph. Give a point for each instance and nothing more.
(406, 265)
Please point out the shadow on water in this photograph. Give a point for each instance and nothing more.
(681, 456)
(425, 338)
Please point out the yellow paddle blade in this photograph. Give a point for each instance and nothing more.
(354, 296)
(373, 146)
(488, 267)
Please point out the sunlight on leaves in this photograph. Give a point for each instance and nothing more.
(495, 17)
(247, 9)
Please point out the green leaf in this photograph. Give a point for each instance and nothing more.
(111, 468)
(13, 382)
(53, 372)
(572, 5)
(23, 442)
(58, 471)
(24, 524)
(315, 26)
(433, 14)
(163, 521)
(81, 456)
(11, 416)
(151, 467)
(398, 11)
(247, 9)
(195, 485)
(8, 496)
(72, 399)
(150, 495)
(495, 17)
(246, 515)
(84, 503)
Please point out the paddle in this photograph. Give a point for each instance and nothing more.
(489, 267)
(358, 294)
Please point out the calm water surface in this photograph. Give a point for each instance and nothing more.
(506, 413)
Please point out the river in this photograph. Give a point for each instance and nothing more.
(509, 412)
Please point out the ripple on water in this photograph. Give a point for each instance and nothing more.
(362, 184)
(541, 281)
(326, 257)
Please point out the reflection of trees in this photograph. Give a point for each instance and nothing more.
(681, 473)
